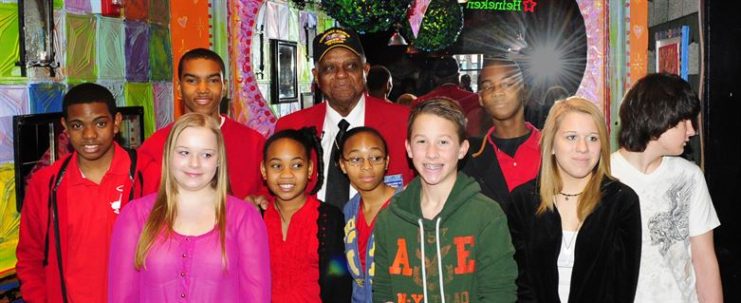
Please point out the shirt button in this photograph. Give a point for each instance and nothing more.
(185, 255)
(182, 274)
(515, 164)
(182, 295)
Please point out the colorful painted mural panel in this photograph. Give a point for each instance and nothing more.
(81, 47)
(111, 51)
(159, 12)
(13, 101)
(9, 52)
(593, 84)
(78, 6)
(163, 103)
(141, 94)
(10, 219)
(137, 51)
(248, 104)
(137, 9)
(46, 97)
(189, 29)
(160, 52)
(117, 89)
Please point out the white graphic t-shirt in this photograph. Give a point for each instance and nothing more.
(675, 205)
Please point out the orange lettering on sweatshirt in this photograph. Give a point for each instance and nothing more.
(403, 298)
(465, 265)
(401, 261)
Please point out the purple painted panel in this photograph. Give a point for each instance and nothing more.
(163, 103)
(78, 6)
(137, 51)
(13, 101)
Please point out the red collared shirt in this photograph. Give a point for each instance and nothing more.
(87, 212)
(525, 164)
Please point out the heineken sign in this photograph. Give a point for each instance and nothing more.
(503, 5)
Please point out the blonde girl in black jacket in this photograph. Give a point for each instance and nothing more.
(576, 230)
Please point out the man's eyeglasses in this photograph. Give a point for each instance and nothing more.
(373, 160)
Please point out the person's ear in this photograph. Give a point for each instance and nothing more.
(117, 123)
(263, 171)
(408, 147)
(342, 166)
(386, 167)
(178, 90)
(64, 123)
(311, 168)
(366, 68)
(463, 150)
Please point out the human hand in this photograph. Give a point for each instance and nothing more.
(261, 202)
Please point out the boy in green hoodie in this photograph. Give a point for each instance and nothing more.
(442, 218)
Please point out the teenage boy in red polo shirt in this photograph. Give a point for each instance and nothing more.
(201, 88)
(70, 206)
(509, 154)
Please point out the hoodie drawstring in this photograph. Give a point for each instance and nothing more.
(439, 258)
(422, 249)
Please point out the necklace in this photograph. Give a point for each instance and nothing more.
(571, 241)
(567, 196)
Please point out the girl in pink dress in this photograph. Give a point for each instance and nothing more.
(190, 242)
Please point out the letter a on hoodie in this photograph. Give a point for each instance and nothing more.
(401, 259)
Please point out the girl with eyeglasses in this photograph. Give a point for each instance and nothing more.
(365, 160)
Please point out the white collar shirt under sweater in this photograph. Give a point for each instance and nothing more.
(675, 206)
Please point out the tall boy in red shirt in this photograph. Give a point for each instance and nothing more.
(70, 206)
(201, 88)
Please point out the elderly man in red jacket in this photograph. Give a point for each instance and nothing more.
(340, 72)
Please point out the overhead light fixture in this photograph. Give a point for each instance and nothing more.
(397, 39)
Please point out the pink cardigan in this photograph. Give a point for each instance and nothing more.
(190, 268)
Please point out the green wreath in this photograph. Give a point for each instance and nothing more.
(440, 27)
(367, 16)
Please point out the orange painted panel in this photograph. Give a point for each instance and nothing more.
(189, 29)
(638, 39)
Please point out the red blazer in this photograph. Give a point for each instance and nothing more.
(388, 118)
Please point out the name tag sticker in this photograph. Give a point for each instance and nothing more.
(394, 180)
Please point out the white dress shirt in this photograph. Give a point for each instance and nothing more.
(356, 118)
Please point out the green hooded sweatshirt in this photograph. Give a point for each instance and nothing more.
(467, 249)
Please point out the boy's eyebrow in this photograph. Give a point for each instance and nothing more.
(196, 76)
(107, 117)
